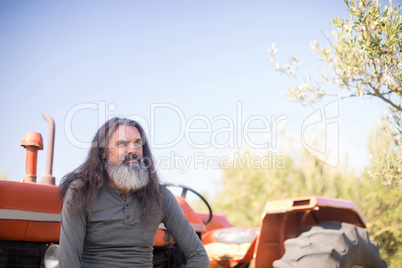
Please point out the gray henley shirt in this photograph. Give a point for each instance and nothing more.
(113, 235)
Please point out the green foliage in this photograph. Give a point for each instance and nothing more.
(364, 57)
(246, 189)
(386, 155)
(381, 207)
(383, 191)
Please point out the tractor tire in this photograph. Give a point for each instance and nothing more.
(329, 245)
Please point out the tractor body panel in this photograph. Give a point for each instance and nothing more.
(29, 212)
(284, 218)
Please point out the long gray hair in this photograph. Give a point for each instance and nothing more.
(91, 175)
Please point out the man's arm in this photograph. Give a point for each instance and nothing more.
(183, 232)
(72, 235)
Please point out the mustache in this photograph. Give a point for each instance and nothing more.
(131, 156)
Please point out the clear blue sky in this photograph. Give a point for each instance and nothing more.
(84, 61)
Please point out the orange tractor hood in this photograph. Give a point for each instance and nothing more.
(32, 212)
(29, 212)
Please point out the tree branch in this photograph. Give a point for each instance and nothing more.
(379, 95)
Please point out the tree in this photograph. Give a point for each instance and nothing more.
(364, 58)
(382, 189)
(385, 154)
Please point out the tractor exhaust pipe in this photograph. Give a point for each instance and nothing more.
(32, 142)
(48, 178)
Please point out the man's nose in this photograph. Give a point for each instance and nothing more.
(132, 148)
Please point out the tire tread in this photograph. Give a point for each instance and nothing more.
(331, 244)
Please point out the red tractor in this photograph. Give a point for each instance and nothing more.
(310, 231)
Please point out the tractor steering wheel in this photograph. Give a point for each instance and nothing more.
(184, 193)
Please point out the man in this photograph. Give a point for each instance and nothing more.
(114, 203)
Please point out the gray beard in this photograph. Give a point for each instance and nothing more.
(128, 176)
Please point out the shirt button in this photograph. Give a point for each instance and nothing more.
(121, 194)
(127, 217)
(126, 205)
